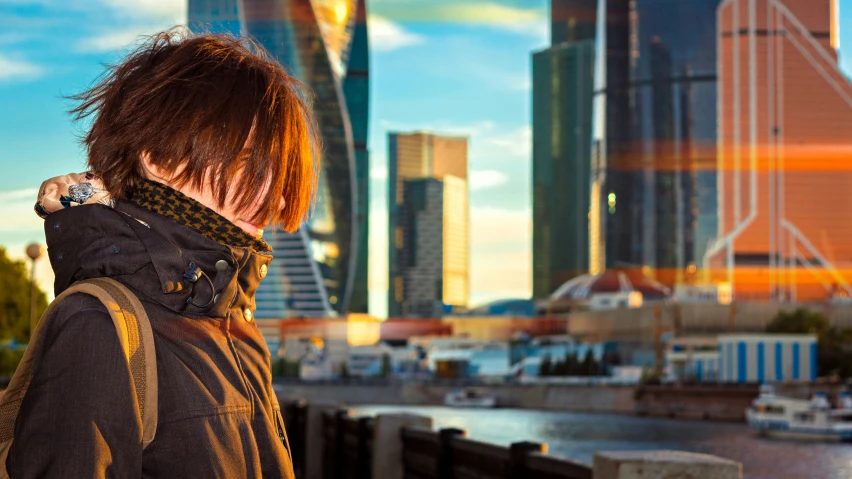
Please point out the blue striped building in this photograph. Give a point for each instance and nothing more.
(767, 358)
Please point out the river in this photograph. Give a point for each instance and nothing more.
(578, 436)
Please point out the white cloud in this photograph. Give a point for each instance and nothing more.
(516, 144)
(538, 28)
(386, 35)
(13, 69)
(109, 41)
(484, 179)
(166, 11)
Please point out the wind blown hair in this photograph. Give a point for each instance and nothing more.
(211, 108)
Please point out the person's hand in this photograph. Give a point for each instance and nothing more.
(73, 189)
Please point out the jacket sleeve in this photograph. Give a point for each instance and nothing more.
(79, 417)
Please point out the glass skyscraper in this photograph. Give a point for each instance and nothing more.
(562, 114)
(322, 269)
(656, 107)
(428, 244)
(563, 88)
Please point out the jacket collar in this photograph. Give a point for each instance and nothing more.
(152, 254)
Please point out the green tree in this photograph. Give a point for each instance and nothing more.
(559, 367)
(589, 366)
(799, 321)
(15, 299)
(386, 365)
(834, 345)
(571, 367)
(546, 366)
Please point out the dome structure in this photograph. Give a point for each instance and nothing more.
(616, 280)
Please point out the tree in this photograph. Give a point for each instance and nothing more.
(560, 368)
(799, 321)
(588, 367)
(833, 344)
(570, 368)
(545, 369)
(386, 365)
(15, 299)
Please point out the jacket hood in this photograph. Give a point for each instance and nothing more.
(160, 260)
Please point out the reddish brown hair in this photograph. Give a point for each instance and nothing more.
(192, 102)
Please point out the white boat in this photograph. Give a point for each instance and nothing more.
(469, 398)
(778, 416)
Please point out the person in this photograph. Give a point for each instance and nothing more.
(197, 142)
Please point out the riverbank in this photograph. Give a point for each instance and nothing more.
(605, 399)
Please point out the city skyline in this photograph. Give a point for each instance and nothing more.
(440, 74)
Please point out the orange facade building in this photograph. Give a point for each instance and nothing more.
(784, 153)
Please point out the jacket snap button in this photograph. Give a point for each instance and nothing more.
(263, 270)
(216, 299)
(247, 315)
(221, 265)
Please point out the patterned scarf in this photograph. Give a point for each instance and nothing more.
(168, 202)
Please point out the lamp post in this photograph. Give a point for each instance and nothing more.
(34, 251)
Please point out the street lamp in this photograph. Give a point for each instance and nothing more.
(34, 251)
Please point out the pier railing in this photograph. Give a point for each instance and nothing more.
(328, 443)
(348, 447)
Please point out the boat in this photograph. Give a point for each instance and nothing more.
(772, 415)
(469, 398)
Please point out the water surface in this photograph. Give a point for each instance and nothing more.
(578, 436)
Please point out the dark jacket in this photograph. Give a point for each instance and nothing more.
(218, 415)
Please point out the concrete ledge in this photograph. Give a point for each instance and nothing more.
(387, 438)
(314, 437)
(663, 465)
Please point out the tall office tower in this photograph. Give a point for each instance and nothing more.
(412, 223)
(433, 257)
(654, 136)
(562, 115)
(785, 180)
(572, 20)
(563, 84)
(321, 270)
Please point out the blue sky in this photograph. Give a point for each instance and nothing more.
(453, 66)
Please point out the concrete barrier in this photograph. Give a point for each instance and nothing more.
(314, 437)
(387, 438)
(663, 464)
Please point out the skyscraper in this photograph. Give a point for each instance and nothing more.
(655, 135)
(433, 255)
(322, 269)
(562, 115)
(785, 180)
(428, 226)
(572, 20)
(563, 88)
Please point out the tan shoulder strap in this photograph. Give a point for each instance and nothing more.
(137, 340)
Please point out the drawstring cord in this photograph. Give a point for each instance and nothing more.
(193, 273)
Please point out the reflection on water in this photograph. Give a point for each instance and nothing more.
(578, 436)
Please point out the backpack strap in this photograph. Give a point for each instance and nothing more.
(136, 338)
